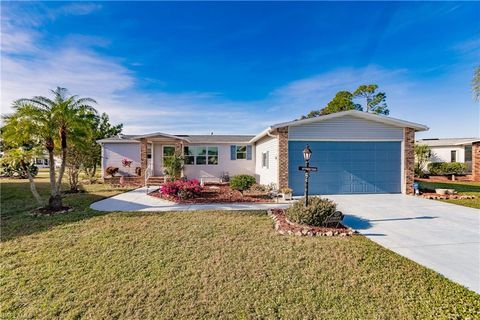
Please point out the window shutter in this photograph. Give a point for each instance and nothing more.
(268, 159)
(233, 152)
(249, 152)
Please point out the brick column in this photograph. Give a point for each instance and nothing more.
(179, 148)
(143, 158)
(282, 157)
(476, 161)
(409, 159)
(178, 153)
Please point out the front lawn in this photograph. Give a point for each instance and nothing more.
(467, 188)
(213, 264)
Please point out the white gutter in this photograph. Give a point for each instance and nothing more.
(259, 136)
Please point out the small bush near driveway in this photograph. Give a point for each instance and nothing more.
(314, 214)
(242, 182)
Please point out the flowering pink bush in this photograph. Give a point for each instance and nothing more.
(181, 189)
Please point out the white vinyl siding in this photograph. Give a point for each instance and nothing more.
(443, 154)
(267, 174)
(113, 153)
(345, 128)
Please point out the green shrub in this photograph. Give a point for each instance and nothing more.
(446, 168)
(17, 171)
(242, 182)
(173, 166)
(314, 214)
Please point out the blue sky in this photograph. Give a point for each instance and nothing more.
(239, 67)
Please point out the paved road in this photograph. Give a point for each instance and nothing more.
(441, 236)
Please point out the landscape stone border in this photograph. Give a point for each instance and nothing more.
(285, 227)
(436, 196)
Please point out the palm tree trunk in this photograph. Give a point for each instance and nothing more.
(61, 171)
(33, 188)
(55, 199)
(63, 136)
(51, 163)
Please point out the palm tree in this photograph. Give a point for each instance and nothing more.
(51, 121)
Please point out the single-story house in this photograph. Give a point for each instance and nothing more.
(452, 150)
(355, 152)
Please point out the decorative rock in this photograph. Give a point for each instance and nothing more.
(283, 226)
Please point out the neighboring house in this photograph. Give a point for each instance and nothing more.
(355, 152)
(41, 162)
(452, 150)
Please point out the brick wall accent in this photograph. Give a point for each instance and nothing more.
(409, 159)
(143, 156)
(128, 180)
(282, 157)
(178, 148)
(476, 161)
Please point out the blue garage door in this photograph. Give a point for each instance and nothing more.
(347, 167)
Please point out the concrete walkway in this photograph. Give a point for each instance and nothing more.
(138, 200)
(441, 236)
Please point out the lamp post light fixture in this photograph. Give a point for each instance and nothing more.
(307, 153)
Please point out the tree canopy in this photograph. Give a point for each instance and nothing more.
(375, 102)
(51, 123)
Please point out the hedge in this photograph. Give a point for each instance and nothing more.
(446, 168)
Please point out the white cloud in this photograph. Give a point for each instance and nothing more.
(29, 68)
(76, 9)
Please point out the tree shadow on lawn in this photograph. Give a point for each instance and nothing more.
(17, 204)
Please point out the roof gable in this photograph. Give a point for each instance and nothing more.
(352, 113)
(359, 114)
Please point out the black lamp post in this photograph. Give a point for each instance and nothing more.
(307, 153)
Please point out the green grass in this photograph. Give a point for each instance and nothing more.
(466, 188)
(214, 264)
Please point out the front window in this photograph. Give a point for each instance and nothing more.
(242, 152)
(168, 152)
(212, 155)
(200, 155)
(453, 156)
(189, 155)
(264, 159)
(149, 151)
(468, 153)
(38, 161)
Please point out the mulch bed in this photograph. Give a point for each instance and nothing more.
(219, 193)
(43, 212)
(461, 178)
(437, 196)
(286, 227)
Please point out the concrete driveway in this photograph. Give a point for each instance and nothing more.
(441, 236)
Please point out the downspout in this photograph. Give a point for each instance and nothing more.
(270, 134)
